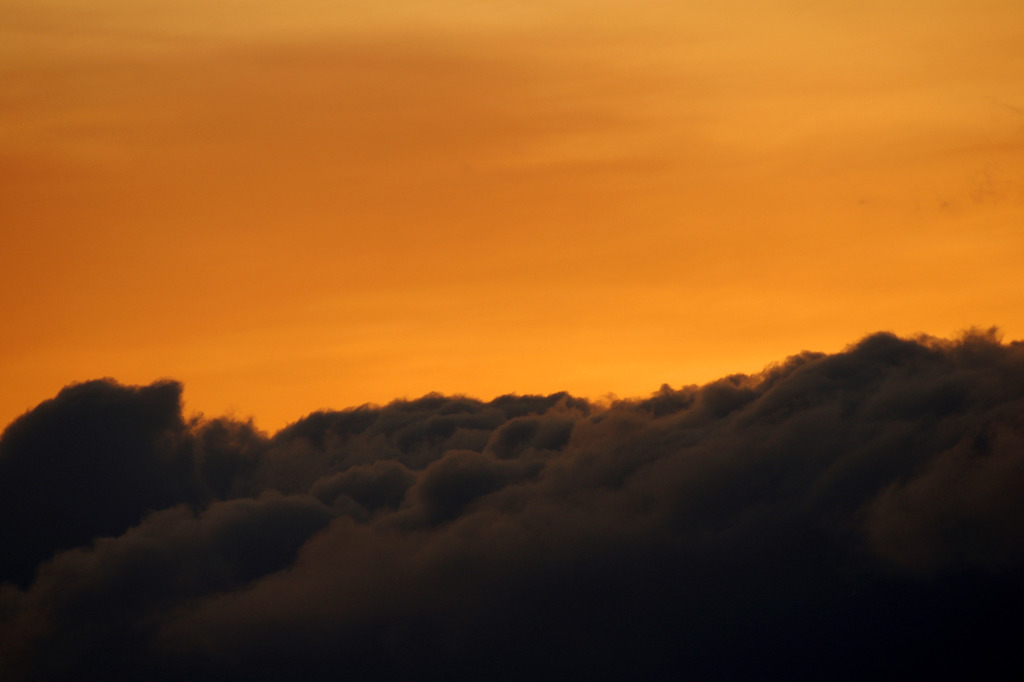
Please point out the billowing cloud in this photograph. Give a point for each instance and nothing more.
(844, 516)
(91, 462)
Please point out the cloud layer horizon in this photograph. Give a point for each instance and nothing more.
(845, 515)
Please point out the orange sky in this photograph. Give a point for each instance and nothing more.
(306, 204)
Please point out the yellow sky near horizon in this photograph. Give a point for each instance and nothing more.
(298, 205)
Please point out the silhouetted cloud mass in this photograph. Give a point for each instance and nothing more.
(847, 516)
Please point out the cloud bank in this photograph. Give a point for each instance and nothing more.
(843, 516)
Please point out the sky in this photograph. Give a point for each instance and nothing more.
(295, 205)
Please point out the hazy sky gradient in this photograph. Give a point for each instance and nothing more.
(296, 205)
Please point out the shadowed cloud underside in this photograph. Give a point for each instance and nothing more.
(845, 516)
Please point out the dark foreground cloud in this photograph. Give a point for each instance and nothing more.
(842, 516)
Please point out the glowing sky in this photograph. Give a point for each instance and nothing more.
(305, 204)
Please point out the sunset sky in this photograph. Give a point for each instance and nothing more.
(306, 204)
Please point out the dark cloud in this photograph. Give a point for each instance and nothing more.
(382, 484)
(838, 516)
(446, 487)
(90, 462)
(102, 601)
